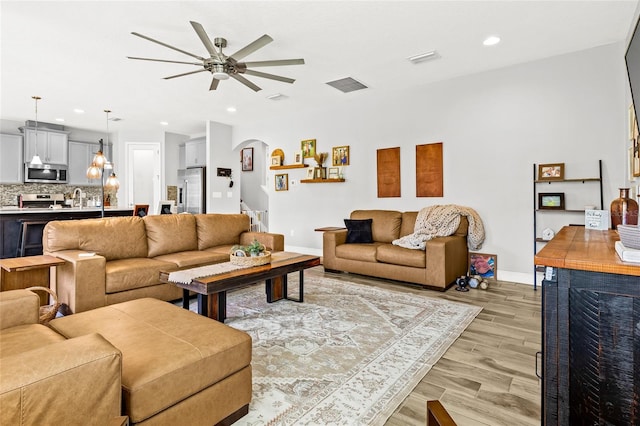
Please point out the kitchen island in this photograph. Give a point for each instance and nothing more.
(590, 330)
(11, 218)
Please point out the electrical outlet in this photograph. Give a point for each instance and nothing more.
(291, 232)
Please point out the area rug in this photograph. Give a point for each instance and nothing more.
(348, 355)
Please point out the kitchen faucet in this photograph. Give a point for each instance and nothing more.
(79, 192)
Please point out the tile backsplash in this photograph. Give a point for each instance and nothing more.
(9, 192)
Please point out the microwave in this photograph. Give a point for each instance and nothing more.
(45, 173)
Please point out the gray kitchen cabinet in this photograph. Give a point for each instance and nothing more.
(80, 157)
(11, 164)
(195, 152)
(51, 146)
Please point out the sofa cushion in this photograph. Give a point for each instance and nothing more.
(216, 229)
(111, 237)
(128, 274)
(168, 353)
(361, 252)
(385, 226)
(170, 233)
(409, 223)
(388, 253)
(358, 231)
(23, 338)
(188, 259)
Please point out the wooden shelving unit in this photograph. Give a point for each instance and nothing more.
(290, 166)
(321, 180)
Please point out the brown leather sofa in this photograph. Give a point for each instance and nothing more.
(48, 379)
(146, 359)
(112, 260)
(444, 259)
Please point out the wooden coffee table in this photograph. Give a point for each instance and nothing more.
(212, 290)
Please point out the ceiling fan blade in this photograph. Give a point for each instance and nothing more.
(275, 63)
(204, 38)
(165, 60)
(214, 84)
(270, 76)
(251, 47)
(183, 74)
(246, 82)
(167, 45)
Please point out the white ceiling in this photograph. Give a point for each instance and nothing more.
(73, 53)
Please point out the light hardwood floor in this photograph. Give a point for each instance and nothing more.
(487, 377)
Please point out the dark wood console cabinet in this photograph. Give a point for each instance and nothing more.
(591, 331)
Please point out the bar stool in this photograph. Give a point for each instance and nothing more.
(29, 229)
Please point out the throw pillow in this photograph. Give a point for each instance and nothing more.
(358, 230)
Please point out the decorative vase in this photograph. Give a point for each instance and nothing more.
(624, 210)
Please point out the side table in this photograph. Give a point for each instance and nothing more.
(22, 272)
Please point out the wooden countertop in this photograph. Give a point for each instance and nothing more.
(575, 247)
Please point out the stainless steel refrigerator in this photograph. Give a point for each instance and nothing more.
(192, 190)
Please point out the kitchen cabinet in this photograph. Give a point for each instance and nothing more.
(590, 334)
(51, 146)
(10, 158)
(195, 152)
(80, 157)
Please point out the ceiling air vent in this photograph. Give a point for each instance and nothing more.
(347, 85)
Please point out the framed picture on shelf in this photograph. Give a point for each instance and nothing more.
(485, 265)
(166, 207)
(334, 173)
(282, 182)
(298, 158)
(276, 160)
(310, 173)
(141, 210)
(551, 171)
(340, 156)
(246, 157)
(551, 200)
(308, 148)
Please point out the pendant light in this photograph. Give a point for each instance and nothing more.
(36, 161)
(99, 164)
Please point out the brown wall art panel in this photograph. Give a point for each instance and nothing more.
(429, 170)
(389, 172)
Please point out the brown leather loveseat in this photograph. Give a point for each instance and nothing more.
(444, 259)
(112, 260)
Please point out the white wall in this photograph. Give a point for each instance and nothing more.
(568, 109)
(221, 198)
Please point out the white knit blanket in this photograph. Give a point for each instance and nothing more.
(442, 221)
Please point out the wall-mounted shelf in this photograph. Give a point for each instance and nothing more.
(321, 180)
(537, 185)
(290, 166)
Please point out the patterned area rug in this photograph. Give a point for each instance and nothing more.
(348, 355)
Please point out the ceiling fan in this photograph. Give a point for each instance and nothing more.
(222, 66)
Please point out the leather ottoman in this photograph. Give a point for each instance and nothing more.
(177, 367)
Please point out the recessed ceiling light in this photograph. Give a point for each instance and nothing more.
(61, 120)
(78, 111)
(231, 109)
(164, 123)
(491, 40)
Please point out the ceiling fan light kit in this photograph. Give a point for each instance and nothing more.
(222, 66)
